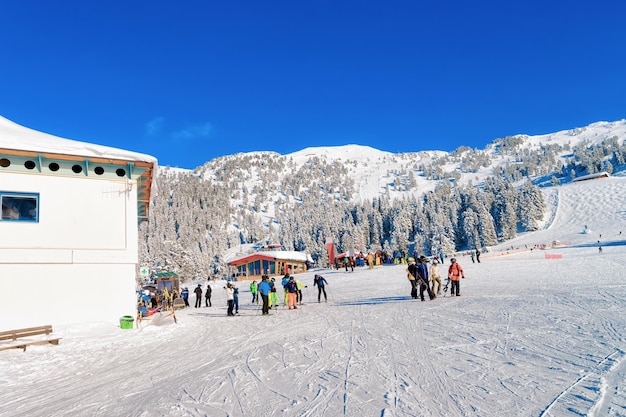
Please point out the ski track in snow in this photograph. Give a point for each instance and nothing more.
(529, 336)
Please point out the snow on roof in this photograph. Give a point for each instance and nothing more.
(286, 255)
(20, 138)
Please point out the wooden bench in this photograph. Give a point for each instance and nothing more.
(18, 335)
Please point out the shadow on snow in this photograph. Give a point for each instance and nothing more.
(370, 301)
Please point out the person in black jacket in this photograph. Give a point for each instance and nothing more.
(198, 292)
(412, 274)
(207, 296)
(422, 276)
(321, 282)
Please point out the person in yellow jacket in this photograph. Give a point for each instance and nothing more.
(370, 260)
(299, 285)
(411, 274)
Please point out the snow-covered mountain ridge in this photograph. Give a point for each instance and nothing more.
(372, 172)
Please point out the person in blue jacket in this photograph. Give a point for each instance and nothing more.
(422, 271)
(185, 294)
(264, 290)
(284, 283)
(321, 283)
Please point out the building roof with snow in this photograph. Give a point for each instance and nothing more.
(26, 150)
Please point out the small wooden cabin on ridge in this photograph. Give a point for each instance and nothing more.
(69, 227)
(273, 263)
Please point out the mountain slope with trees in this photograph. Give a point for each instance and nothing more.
(366, 199)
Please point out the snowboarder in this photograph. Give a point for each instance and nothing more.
(477, 255)
(455, 273)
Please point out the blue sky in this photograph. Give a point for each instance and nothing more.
(189, 81)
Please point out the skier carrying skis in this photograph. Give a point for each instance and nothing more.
(455, 273)
(422, 277)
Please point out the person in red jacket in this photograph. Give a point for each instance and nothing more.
(455, 273)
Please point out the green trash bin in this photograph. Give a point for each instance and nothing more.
(126, 322)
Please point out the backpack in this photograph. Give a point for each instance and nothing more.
(455, 269)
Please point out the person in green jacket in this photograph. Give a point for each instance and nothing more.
(273, 294)
(254, 289)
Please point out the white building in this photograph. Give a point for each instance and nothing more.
(69, 228)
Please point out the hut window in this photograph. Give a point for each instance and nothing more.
(21, 207)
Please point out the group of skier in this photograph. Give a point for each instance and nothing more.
(420, 276)
(292, 291)
(424, 276)
(198, 292)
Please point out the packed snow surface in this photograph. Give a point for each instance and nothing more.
(534, 333)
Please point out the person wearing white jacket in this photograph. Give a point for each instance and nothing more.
(230, 298)
(435, 277)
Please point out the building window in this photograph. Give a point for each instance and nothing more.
(21, 207)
